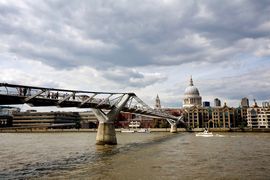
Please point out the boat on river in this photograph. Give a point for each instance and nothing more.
(205, 133)
(143, 130)
(134, 124)
(134, 127)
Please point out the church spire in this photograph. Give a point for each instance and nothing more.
(191, 81)
(157, 105)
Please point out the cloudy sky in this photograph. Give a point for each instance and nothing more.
(148, 47)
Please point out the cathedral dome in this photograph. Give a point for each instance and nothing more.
(192, 90)
(192, 96)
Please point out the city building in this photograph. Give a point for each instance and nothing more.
(194, 114)
(192, 96)
(244, 106)
(217, 102)
(240, 120)
(6, 116)
(7, 110)
(206, 104)
(32, 119)
(258, 117)
(243, 111)
(196, 117)
(245, 102)
(88, 120)
(125, 118)
(222, 117)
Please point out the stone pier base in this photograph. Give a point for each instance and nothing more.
(173, 129)
(106, 134)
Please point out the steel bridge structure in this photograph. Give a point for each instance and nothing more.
(105, 105)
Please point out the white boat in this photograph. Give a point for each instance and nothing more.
(133, 127)
(134, 124)
(205, 133)
(143, 130)
(127, 131)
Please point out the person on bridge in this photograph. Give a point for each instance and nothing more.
(20, 91)
(24, 91)
(73, 96)
(49, 94)
(29, 92)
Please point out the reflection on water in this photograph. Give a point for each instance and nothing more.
(137, 156)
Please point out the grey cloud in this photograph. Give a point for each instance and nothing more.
(67, 34)
(133, 78)
(254, 84)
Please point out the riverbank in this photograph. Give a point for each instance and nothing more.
(46, 130)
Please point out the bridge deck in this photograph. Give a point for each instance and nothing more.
(40, 96)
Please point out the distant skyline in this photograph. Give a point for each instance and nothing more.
(148, 47)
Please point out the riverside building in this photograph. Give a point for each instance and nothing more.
(217, 102)
(198, 116)
(222, 117)
(258, 117)
(243, 110)
(194, 114)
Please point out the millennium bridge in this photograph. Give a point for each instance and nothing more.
(105, 105)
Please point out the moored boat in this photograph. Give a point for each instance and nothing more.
(205, 133)
(143, 130)
(134, 124)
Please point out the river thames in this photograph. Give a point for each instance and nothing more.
(137, 156)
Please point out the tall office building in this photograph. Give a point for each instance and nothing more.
(206, 104)
(217, 102)
(245, 102)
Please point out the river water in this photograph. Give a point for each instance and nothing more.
(137, 156)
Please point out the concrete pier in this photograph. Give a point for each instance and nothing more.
(106, 134)
(173, 128)
(106, 130)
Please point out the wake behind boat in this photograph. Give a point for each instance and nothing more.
(127, 130)
(205, 133)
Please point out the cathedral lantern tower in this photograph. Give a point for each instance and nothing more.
(192, 96)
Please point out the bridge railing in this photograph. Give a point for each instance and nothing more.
(100, 98)
(97, 100)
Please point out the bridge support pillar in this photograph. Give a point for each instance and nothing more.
(173, 128)
(106, 134)
(106, 130)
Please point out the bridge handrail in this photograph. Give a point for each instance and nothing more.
(82, 97)
(61, 90)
